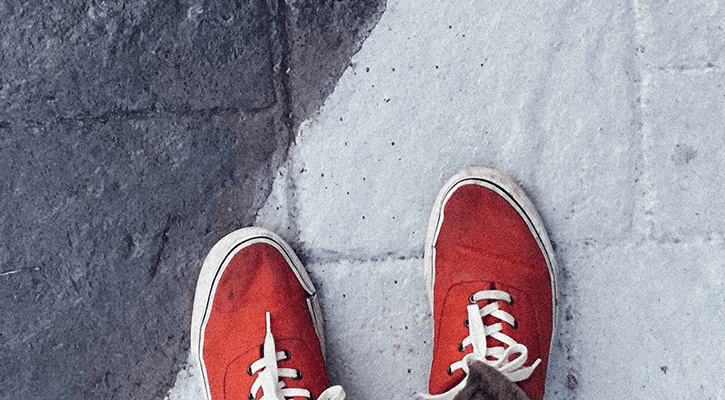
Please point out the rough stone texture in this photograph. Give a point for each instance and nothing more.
(133, 135)
(116, 217)
(89, 59)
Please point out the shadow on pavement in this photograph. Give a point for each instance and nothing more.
(134, 135)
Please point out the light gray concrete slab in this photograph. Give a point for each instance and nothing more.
(684, 137)
(644, 318)
(679, 36)
(377, 326)
(434, 91)
(611, 117)
(564, 99)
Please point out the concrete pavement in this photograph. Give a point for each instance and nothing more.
(611, 116)
(127, 159)
(134, 135)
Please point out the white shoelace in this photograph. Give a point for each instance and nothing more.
(496, 357)
(268, 378)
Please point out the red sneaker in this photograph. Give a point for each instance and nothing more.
(256, 330)
(490, 278)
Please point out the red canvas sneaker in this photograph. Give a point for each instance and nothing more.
(256, 330)
(490, 278)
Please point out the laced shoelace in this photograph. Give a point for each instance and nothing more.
(497, 357)
(269, 375)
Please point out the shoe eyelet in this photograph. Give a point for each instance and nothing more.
(461, 349)
(515, 325)
(512, 301)
(465, 322)
(251, 396)
(471, 299)
(249, 370)
(298, 377)
(449, 370)
(287, 355)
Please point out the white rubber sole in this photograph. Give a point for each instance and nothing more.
(212, 270)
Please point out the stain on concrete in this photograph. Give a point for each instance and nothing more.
(683, 154)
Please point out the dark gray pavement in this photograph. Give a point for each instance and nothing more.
(134, 135)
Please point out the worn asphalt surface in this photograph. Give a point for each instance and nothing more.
(133, 135)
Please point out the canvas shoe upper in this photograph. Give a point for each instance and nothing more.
(256, 326)
(490, 278)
